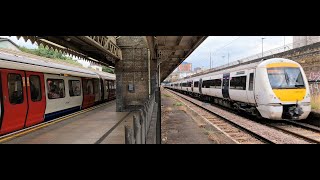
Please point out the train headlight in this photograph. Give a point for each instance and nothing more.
(305, 104)
(275, 104)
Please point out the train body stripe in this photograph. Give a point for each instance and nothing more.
(282, 64)
(57, 114)
(290, 95)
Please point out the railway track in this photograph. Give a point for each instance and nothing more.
(240, 129)
(237, 134)
(304, 131)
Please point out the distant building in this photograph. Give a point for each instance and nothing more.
(199, 69)
(185, 67)
(8, 44)
(299, 41)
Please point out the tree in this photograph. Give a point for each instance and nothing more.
(107, 69)
(50, 53)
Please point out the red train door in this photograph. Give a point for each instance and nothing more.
(14, 100)
(36, 98)
(88, 93)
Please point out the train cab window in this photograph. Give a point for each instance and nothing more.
(251, 82)
(56, 88)
(87, 87)
(74, 88)
(35, 88)
(15, 88)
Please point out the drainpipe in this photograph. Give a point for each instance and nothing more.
(149, 80)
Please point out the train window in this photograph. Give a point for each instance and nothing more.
(15, 88)
(251, 82)
(56, 88)
(87, 87)
(217, 83)
(74, 88)
(106, 82)
(214, 83)
(96, 86)
(111, 83)
(35, 88)
(238, 83)
(196, 84)
(283, 78)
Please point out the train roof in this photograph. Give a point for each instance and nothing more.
(24, 61)
(236, 68)
(106, 75)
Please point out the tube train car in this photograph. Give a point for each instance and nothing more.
(34, 90)
(274, 89)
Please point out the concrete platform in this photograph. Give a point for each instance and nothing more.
(178, 127)
(99, 126)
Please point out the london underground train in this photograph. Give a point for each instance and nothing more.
(34, 89)
(274, 89)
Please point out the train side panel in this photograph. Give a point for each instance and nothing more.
(61, 99)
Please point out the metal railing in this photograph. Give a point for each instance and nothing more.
(141, 123)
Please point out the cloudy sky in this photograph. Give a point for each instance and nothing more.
(237, 46)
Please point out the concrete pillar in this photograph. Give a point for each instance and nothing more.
(132, 73)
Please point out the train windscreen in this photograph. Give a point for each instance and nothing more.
(285, 78)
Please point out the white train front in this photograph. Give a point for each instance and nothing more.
(274, 89)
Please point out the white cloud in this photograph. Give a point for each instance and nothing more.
(238, 47)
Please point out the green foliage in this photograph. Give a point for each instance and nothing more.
(178, 104)
(50, 53)
(107, 69)
(315, 105)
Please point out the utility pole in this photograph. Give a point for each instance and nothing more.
(262, 45)
(210, 60)
(284, 43)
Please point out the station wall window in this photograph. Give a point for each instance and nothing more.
(56, 88)
(15, 88)
(238, 83)
(74, 88)
(35, 88)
